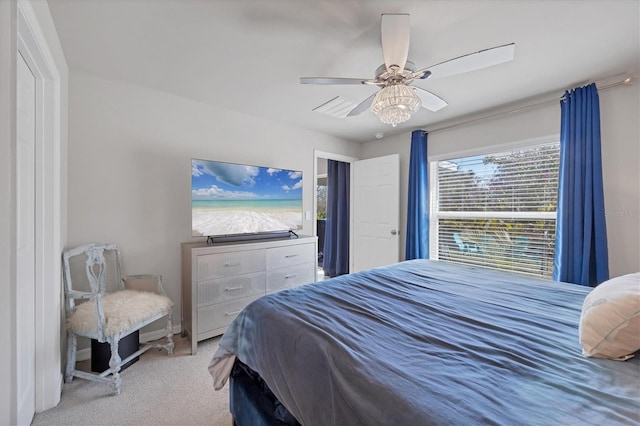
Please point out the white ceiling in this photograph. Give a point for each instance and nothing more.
(248, 56)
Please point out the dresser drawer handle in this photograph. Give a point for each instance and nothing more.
(232, 264)
(290, 255)
(232, 288)
(228, 314)
(290, 276)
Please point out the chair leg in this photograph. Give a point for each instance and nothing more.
(72, 346)
(169, 334)
(115, 363)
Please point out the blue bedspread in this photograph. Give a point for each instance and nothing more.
(425, 342)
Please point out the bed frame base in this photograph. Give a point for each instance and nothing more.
(251, 405)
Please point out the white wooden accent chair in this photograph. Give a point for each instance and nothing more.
(111, 307)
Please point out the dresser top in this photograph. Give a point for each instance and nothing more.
(248, 244)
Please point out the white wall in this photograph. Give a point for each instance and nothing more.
(130, 151)
(620, 152)
(620, 131)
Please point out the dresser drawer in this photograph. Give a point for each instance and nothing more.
(224, 289)
(293, 276)
(221, 314)
(221, 265)
(290, 255)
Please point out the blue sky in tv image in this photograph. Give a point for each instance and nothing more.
(229, 198)
(213, 180)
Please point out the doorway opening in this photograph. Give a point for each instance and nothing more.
(321, 213)
(321, 191)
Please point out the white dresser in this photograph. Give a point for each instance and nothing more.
(218, 281)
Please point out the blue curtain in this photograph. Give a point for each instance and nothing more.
(336, 236)
(417, 241)
(581, 236)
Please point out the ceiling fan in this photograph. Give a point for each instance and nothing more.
(397, 99)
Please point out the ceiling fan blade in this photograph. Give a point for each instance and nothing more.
(333, 80)
(395, 33)
(471, 62)
(430, 101)
(362, 106)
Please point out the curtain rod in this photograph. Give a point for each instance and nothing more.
(535, 105)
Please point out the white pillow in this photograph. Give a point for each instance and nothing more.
(610, 320)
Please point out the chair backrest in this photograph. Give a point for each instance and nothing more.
(520, 245)
(458, 241)
(100, 273)
(489, 244)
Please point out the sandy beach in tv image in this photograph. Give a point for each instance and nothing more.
(230, 199)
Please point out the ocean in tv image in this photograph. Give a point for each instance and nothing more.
(230, 199)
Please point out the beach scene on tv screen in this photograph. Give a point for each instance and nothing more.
(230, 199)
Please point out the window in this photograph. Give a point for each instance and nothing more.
(321, 199)
(497, 210)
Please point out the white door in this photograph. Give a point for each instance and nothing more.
(25, 233)
(375, 212)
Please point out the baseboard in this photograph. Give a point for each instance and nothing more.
(85, 354)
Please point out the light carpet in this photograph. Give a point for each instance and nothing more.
(156, 390)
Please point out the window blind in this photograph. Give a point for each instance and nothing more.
(498, 210)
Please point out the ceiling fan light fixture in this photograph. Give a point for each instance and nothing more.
(395, 103)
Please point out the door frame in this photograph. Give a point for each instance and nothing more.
(337, 157)
(33, 46)
(25, 338)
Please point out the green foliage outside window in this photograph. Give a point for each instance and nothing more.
(322, 202)
(471, 190)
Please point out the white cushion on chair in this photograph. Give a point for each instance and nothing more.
(122, 310)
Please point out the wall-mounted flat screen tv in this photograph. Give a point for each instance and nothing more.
(229, 199)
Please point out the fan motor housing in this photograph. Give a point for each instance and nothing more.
(397, 77)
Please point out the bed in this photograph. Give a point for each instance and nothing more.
(421, 342)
